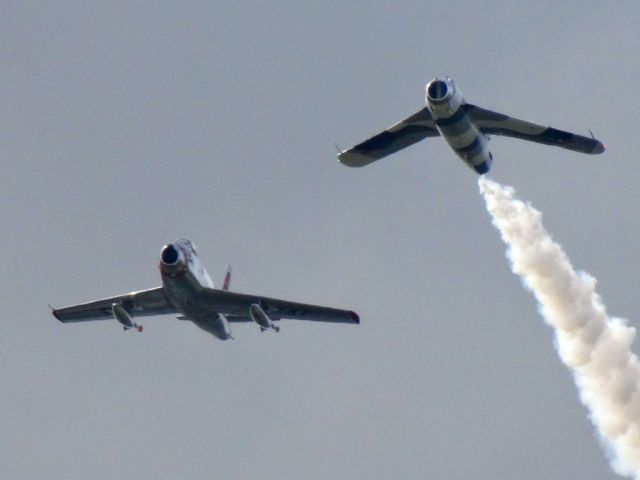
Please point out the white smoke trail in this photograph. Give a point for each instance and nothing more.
(595, 347)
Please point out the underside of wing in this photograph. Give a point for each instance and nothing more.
(137, 304)
(418, 126)
(494, 123)
(235, 306)
(238, 318)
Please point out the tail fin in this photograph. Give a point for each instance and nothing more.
(227, 278)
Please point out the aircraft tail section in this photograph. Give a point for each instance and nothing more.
(227, 278)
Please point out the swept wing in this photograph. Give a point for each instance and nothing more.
(137, 304)
(235, 306)
(494, 123)
(411, 130)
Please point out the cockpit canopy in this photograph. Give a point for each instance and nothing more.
(187, 244)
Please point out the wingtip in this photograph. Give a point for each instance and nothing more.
(355, 317)
(54, 312)
(599, 147)
(354, 159)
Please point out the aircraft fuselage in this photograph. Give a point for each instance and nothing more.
(183, 278)
(444, 101)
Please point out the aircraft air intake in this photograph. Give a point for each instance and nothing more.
(173, 262)
(437, 90)
(594, 346)
(170, 255)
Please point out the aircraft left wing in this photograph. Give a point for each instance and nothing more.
(494, 123)
(418, 126)
(137, 304)
(235, 306)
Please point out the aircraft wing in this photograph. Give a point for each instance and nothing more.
(235, 306)
(494, 123)
(418, 126)
(137, 304)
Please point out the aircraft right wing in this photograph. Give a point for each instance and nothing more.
(137, 304)
(235, 306)
(418, 126)
(494, 123)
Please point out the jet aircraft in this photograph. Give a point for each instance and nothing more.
(465, 127)
(187, 290)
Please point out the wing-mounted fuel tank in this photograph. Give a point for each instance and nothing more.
(122, 316)
(224, 329)
(259, 316)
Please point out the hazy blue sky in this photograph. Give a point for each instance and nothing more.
(125, 125)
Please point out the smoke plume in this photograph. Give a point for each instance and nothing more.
(595, 347)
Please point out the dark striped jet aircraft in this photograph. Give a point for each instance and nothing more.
(465, 127)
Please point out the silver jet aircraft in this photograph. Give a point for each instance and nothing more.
(187, 290)
(465, 127)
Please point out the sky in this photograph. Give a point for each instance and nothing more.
(124, 126)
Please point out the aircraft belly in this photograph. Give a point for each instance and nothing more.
(460, 141)
(218, 326)
(182, 293)
(464, 137)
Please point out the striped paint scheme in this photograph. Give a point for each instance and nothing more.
(446, 104)
(464, 127)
